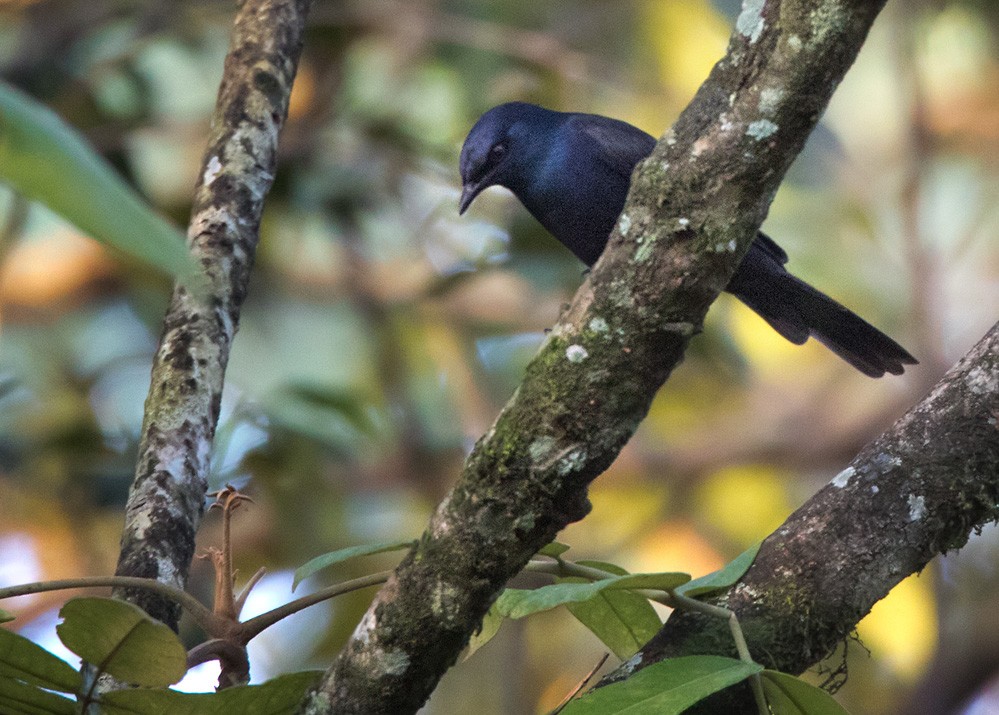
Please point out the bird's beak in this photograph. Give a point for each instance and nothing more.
(468, 194)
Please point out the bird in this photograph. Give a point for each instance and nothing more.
(572, 172)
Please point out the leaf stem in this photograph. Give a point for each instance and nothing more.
(247, 630)
(204, 617)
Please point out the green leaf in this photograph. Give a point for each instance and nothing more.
(665, 581)
(20, 659)
(45, 159)
(16, 698)
(554, 549)
(788, 695)
(335, 417)
(490, 627)
(518, 603)
(335, 557)
(722, 578)
(604, 566)
(346, 403)
(122, 640)
(280, 696)
(665, 688)
(623, 620)
(6, 616)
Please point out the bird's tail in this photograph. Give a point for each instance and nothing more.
(798, 311)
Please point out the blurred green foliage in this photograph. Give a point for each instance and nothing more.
(383, 333)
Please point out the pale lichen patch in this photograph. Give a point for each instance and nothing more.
(624, 224)
(981, 381)
(770, 97)
(598, 325)
(761, 129)
(750, 22)
(917, 507)
(541, 447)
(572, 462)
(576, 353)
(445, 601)
(644, 252)
(630, 665)
(843, 478)
(391, 662)
(362, 633)
(212, 169)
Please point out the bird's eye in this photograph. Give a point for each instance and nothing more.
(496, 152)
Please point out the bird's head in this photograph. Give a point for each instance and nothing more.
(499, 147)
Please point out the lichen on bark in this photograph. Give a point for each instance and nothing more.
(166, 499)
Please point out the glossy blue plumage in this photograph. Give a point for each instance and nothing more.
(572, 172)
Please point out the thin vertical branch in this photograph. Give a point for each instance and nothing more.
(166, 500)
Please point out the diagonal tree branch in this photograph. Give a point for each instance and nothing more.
(693, 210)
(166, 500)
(916, 491)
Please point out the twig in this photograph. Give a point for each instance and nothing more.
(251, 628)
(201, 614)
(582, 684)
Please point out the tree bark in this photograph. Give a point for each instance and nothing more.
(167, 497)
(694, 207)
(918, 490)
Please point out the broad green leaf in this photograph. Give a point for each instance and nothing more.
(724, 577)
(120, 639)
(665, 688)
(623, 620)
(554, 549)
(17, 698)
(604, 566)
(656, 581)
(332, 416)
(20, 659)
(788, 695)
(46, 160)
(490, 627)
(346, 403)
(518, 603)
(279, 696)
(665, 581)
(336, 557)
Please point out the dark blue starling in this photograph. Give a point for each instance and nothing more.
(572, 172)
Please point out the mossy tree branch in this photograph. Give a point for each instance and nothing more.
(916, 491)
(167, 497)
(694, 207)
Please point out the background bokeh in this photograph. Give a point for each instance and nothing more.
(382, 332)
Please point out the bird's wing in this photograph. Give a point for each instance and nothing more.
(770, 247)
(621, 145)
